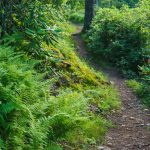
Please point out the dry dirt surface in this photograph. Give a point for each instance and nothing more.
(131, 124)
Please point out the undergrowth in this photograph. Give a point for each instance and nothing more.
(75, 12)
(59, 104)
(142, 90)
(77, 17)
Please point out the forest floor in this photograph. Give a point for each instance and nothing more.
(131, 123)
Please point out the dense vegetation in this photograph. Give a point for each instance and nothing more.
(40, 110)
(116, 3)
(49, 98)
(122, 36)
(76, 15)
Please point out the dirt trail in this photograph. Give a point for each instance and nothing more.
(132, 122)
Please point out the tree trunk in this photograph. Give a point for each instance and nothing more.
(89, 13)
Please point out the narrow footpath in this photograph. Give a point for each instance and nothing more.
(131, 124)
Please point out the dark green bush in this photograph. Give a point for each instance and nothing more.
(121, 36)
(77, 17)
(31, 27)
(117, 3)
(74, 11)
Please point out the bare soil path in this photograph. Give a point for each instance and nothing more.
(132, 122)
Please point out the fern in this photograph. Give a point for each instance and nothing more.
(31, 117)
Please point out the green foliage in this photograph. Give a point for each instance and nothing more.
(49, 98)
(74, 11)
(145, 70)
(78, 4)
(116, 3)
(32, 23)
(121, 36)
(77, 17)
(31, 117)
(136, 86)
(142, 90)
(19, 89)
(31, 27)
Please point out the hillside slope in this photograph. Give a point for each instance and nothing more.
(55, 103)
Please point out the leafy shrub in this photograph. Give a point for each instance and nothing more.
(29, 24)
(32, 28)
(74, 11)
(145, 71)
(117, 3)
(121, 36)
(145, 91)
(77, 17)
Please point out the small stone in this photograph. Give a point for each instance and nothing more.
(109, 138)
(122, 125)
(109, 144)
(111, 82)
(142, 124)
(103, 148)
(140, 146)
(148, 124)
(113, 111)
(132, 118)
(123, 109)
(124, 116)
(129, 145)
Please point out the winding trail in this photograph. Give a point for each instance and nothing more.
(132, 122)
